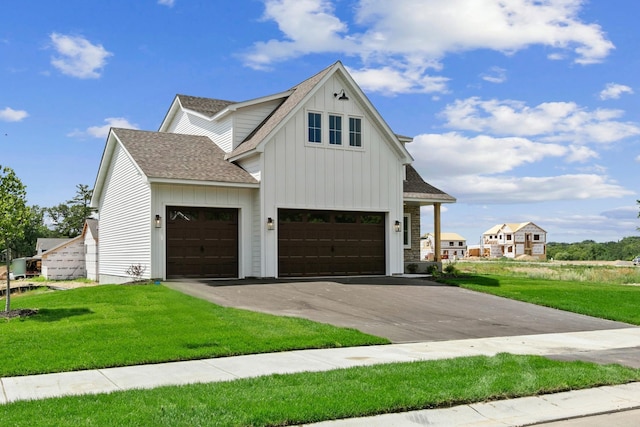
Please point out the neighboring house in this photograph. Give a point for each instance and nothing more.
(65, 261)
(514, 240)
(306, 182)
(90, 235)
(452, 246)
(44, 244)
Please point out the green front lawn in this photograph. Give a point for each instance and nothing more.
(607, 301)
(278, 400)
(105, 326)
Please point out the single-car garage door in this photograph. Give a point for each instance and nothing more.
(330, 243)
(202, 242)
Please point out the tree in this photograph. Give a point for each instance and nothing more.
(34, 229)
(68, 218)
(14, 215)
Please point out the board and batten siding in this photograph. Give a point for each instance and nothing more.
(219, 131)
(210, 196)
(302, 175)
(125, 221)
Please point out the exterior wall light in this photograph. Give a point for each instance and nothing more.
(270, 225)
(397, 226)
(342, 96)
(158, 221)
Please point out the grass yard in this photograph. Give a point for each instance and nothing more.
(606, 292)
(104, 326)
(279, 400)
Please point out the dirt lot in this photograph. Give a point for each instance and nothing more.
(70, 284)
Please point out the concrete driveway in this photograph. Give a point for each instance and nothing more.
(400, 309)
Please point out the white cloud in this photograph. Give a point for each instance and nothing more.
(308, 26)
(550, 121)
(495, 75)
(168, 3)
(452, 154)
(614, 91)
(480, 169)
(103, 131)
(403, 37)
(512, 190)
(391, 81)
(11, 115)
(77, 57)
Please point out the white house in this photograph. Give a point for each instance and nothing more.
(452, 246)
(514, 240)
(306, 182)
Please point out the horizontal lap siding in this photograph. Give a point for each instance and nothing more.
(125, 219)
(218, 131)
(247, 119)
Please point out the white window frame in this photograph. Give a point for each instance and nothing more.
(361, 133)
(308, 128)
(340, 131)
(406, 231)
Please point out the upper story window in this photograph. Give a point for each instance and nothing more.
(335, 130)
(315, 127)
(536, 237)
(355, 132)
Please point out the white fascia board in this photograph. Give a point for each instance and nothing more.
(234, 107)
(399, 146)
(412, 198)
(201, 183)
(173, 109)
(107, 158)
(107, 154)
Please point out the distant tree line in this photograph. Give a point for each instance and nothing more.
(589, 250)
(63, 220)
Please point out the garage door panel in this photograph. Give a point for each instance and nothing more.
(202, 242)
(327, 243)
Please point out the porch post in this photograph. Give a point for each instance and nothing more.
(436, 232)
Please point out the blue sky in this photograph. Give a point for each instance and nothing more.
(524, 110)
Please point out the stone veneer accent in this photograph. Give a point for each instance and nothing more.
(413, 254)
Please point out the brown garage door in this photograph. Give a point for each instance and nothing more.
(330, 243)
(202, 242)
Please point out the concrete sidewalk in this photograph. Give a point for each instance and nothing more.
(509, 412)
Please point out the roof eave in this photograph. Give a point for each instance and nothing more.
(152, 180)
(234, 107)
(427, 199)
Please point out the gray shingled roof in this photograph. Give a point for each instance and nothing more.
(414, 186)
(279, 114)
(181, 157)
(207, 106)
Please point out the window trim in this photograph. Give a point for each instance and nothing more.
(406, 231)
(335, 130)
(353, 133)
(309, 128)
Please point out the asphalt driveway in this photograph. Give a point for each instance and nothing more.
(400, 309)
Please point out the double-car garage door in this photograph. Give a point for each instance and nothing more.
(203, 242)
(330, 243)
